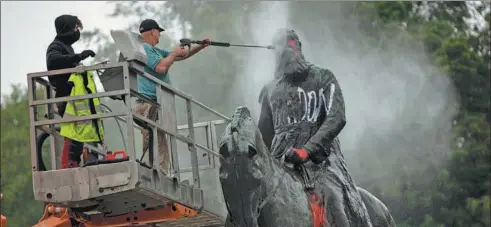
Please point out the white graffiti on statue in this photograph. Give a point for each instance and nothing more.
(312, 102)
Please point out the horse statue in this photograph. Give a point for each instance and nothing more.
(260, 191)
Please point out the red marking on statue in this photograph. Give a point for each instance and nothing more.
(302, 153)
(317, 210)
(293, 45)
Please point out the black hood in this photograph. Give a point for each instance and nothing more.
(290, 62)
(65, 25)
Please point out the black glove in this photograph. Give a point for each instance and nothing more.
(86, 53)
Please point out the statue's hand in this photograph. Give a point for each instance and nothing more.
(297, 156)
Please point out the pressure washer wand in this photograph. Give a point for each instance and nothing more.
(187, 42)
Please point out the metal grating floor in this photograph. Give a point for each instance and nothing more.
(205, 219)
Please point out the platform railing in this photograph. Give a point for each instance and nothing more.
(210, 143)
(210, 146)
(167, 123)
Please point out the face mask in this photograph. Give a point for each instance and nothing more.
(69, 37)
(76, 36)
(73, 37)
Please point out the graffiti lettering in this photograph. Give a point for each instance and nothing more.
(312, 102)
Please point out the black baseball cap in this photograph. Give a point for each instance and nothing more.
(149, 24)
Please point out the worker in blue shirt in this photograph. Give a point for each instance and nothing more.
(158, 64)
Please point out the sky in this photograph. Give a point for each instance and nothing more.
(27, 28)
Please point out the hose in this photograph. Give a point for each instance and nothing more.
(39, 148)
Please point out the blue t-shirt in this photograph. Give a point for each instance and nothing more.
(145, 86)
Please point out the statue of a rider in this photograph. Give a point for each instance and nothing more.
(302, 113)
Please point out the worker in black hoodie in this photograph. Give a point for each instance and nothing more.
(60, 55)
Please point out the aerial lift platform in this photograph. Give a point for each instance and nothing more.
(127, 191)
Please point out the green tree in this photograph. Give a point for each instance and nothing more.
(459, 193)
(16, 180)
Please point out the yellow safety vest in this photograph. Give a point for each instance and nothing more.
(82, 131)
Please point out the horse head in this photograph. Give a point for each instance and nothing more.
(242, 145)
(246, 168)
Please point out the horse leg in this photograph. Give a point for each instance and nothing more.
(332, 203)
(342, 202)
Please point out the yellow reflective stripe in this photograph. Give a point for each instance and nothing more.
(81, 106)
(83, 122)
(85, 106)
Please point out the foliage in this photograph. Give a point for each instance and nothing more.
(16, 181)
(457, 195)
